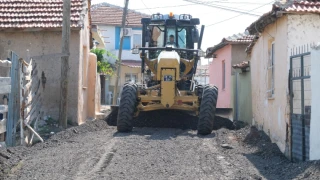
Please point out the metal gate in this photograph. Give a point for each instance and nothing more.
(300, 102)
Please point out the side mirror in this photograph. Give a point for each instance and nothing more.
(195, 35)
(135, 50)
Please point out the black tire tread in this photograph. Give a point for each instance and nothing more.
(207, 110)
(126, 108)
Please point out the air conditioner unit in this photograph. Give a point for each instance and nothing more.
(126, 32)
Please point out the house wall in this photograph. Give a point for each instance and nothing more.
(216, 78)
(315, 104)
(238, 54)
(84, 75)
(92, 85)
(111, 36)
(125, 70)
(244, 109)
(42, 43)
(271, 115)
(304, 30)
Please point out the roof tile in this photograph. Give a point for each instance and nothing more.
(302, 6)
(240, 38)
(296, 6)
(131, 63)
(109, 14)
(38, 13)
(241, 65)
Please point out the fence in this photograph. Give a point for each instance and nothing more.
(5, 88)
(24, 102)
(31, 99)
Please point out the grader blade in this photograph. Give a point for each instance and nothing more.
(112, 117)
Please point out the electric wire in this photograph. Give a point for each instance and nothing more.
(228, 2)
(237, 15)
(146, 6)
(223, 7)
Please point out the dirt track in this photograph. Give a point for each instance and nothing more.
(97, 151)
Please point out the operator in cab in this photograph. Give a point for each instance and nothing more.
(171, 41)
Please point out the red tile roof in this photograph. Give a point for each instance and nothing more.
(38, 13)
(108, 14)
(241, 65)
(131, 63)
(278, 8)
(240, 38)
(303, 6)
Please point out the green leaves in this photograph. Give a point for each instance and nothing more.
(104, 67)
(99, 53)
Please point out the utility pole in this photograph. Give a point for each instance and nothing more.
(124, 18)
(65, 64)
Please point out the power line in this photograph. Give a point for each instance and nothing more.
(222, 7)
(237, 15)
(193, 4)
(161, 7)
(146, 6)
(234, 2)
(164, 7)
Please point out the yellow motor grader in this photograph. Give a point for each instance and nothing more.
(171, 50)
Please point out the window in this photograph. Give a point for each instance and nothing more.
(270, 72)
(223, 74)
(182, 38)
(157, 36)
(137, 40)
(131, 78)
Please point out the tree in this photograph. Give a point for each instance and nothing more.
(104, 67)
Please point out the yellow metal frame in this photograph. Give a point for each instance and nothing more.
(171, 97)
(151, 63)
(151, 102)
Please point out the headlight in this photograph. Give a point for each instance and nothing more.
(157, 16)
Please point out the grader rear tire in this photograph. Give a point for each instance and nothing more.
(207, 110)
(126, 108)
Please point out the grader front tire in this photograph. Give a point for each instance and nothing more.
(207, 110)
(126, 108)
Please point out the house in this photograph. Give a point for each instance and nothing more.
(108, 18)
(33, 30)
(130, 72)
(97, 39)
(228, 52)
(281, 76)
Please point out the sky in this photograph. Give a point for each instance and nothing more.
(222, 18)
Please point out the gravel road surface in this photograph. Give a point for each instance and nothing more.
(97, 151)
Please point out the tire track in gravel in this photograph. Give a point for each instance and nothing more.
(221, 167)
(101, 163)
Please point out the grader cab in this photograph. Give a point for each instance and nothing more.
(169, 56)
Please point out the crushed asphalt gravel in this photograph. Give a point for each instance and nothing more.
(158, 148)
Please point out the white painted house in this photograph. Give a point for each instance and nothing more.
(282, 76)
(108, 19)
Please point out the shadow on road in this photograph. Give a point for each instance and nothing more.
(170, 119)
(270, 161)
(162, 133)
